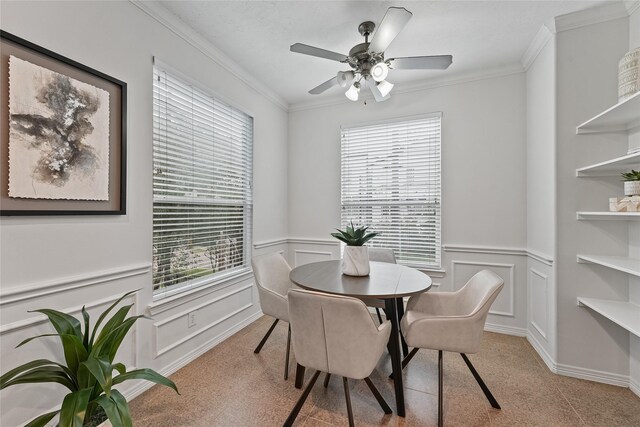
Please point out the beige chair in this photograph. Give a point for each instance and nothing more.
(452, 321)
(322, 341)
(380, 255)
(272, 278)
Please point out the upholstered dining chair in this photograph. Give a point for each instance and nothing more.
(272, 279)
(380, 255)
(336, 335)
(452, 321)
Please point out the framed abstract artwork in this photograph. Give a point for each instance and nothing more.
(62, 136)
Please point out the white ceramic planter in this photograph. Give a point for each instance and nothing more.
(629, 74)
(632, 188)
(355, 261)
(106, 423)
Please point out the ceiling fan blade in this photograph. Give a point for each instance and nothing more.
(437, 62)
(376, 92)
(393, 22)
(316, 51)
(324, 86)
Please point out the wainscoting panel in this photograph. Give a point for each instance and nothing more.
(504, 305)
(302, 257)
(538, 305)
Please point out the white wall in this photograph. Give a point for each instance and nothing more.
(587, 59)
(62, 263)
(541, 182)
(483, 178)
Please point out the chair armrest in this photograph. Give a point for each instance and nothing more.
(460, 334)
(436, 303)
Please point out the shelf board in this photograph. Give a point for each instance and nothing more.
(623, 313)
(611, 167)
(622, 117)
(607, 215)
(624, 264)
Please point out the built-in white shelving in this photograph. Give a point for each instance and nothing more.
(611, 167)
(624, 264)
(622, 117)
(623, 313)
(607, 215)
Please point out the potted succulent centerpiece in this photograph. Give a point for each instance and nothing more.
(631, 183)
(88, 369)
(355, 260)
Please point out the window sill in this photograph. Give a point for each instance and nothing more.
(163, 303)
(437, 273)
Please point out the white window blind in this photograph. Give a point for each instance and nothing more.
(391, 182)
(202, 179)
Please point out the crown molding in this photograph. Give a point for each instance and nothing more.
(182, 30)
(594, 15)
(632, 6)
(412, 87)
(538, 43)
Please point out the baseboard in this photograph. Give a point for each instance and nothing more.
(143, 386)
(634, 386)
(542, 352)
(506, 330)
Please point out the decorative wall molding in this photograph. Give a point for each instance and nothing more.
(324, 254)
(540, 40)
(632, 6)
(495, 250)
(182, 30)
(63, 284)
(542, 352)
(511, 267)
(593, 15)
(306, 241)
(195, 293)
(270, 243)
(532, 272)
(634, 386)
(592, 375)
(183, 314)
(184, 360)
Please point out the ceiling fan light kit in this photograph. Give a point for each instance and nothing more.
(367, 60)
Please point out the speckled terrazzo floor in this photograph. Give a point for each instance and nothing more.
(232, 386)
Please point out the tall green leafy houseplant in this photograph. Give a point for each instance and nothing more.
(88, 368)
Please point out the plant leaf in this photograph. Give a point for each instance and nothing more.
(110, 343)
(62, 322)
(37, 336)
(74, 351)
(145, 374)
(74, 407)
(120, 368)
(101, 370)
(85, 337)
(115, 321)
(106, 312)
(43, 374)
(42, 420)
(116, 408)
(24, 368)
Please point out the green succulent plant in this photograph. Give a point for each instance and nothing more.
(631, 176)
(353, 236)
(88, 368)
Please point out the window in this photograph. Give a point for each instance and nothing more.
(391, 182)
(202, 173)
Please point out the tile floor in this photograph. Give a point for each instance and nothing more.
(232, 386)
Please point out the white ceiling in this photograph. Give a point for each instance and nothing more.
(481, 35)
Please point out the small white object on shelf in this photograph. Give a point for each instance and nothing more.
(619, 263)
(629, 74)
(623, 313)
(624, 204)
(622, 117)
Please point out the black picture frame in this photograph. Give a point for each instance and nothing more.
(116, 205)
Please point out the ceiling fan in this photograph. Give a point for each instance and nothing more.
(369, 66)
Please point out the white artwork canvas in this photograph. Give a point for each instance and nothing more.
(58, 137)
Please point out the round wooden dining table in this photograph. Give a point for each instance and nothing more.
(387, 282)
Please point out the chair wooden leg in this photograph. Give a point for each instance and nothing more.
(286, 360)
(407, 359)
(299, 375)
(483, 386)
(264, 340)
(440, 417)
(345, 383)
(379, 315)
(378, 396)
(296, 409)
(326, 380)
